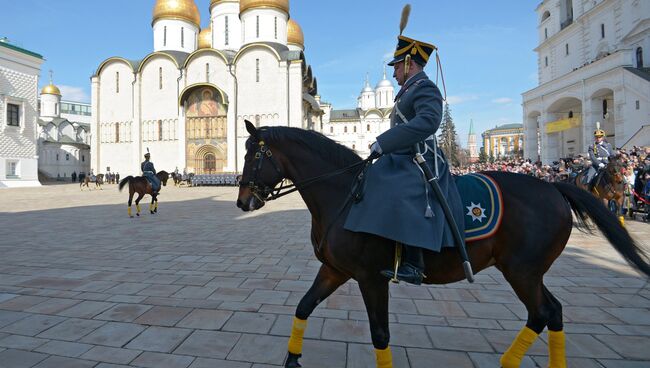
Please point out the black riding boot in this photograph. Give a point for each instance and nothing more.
(411, 267)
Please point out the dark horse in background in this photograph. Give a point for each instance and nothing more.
(535, 228)
(179, 180)
(609, 185)
(140, 185)
(99, 180)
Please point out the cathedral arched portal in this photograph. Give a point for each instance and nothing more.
(205, 109)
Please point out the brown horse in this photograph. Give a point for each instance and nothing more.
(99, 180)
(609, 186)
(140, 185)
(533, 233)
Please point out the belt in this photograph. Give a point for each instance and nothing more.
(149, 172)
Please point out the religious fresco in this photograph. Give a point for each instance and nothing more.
(204, 102)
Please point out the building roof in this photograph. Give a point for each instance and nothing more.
(5, 43)
(643, 72)
(505, 127)
(347, 115)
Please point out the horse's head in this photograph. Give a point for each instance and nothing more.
(163, 176)
(262, 171)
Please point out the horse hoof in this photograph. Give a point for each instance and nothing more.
(151, 212)
(292, 361)
(137, 214)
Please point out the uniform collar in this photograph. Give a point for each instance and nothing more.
(409, 82)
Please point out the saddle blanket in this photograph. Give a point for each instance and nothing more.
(482, 204)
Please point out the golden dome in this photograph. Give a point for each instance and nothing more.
(51, 89)
(294, 33)
(212, 2)
(205, 38)
(250, 4)
(177, 9)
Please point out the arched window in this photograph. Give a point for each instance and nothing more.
(345, 129)
(571, 114)
(545, 33)
(604, 107)
(165, 36)
(182, 36)
(602, 30)
(276, 27)
(117, 133)
(226, 33)
(639, 57)
(209, 163)
(160, 130)
(332, 129)
(257, 26)
(117, 82)
(160, 78)
(368, 127)
(546, 15)
(257, 70)
(207, 72)
(355, 129)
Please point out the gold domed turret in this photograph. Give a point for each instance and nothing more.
(294, 34)
(212, 2)
(51, 89)
(250, 4)
(177, 9)
(205, 38)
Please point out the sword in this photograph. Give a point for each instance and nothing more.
(460, 240)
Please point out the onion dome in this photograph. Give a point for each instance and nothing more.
(367, 87)
(214, 2)
(282, 5)
(177, 9)
(384, 82)
(51, 89)
(205, 38)
(294, 34)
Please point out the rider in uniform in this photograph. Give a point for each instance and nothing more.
(599, 154)
(149, 172)
(397, 201)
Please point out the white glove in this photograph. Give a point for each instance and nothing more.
(375, 148)
(601, 165)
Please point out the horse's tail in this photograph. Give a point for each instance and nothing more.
(585, 205)
(124, 181)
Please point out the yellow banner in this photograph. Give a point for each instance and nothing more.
(561, 125)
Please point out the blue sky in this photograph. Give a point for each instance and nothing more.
(485, 46)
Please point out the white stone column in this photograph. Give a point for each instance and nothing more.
(136, 127)
(95, 129)
(619, 118)
(295, 94)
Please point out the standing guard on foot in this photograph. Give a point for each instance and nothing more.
(149, 172)
(398, 202)
(599, 154)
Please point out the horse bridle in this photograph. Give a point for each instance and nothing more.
(264, 192)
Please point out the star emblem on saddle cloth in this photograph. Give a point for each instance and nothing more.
(476, 212)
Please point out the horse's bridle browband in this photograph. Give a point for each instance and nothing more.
(264, 192)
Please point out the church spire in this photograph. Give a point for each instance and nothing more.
(471, 126)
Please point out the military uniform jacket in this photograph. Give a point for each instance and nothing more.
(396, 196)
(148, 166)
(600, 153)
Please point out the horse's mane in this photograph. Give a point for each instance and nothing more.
(316, 142)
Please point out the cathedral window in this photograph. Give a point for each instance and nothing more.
(117, 82)
(226, 33)
(355, 129)
(182, 36)
(57, 157)
(545, 33)
(160, 130)
(67, 157)
(332, 129)
(56, 109)
(566, 49)
(257, 70)
(160, 78)
(165, 36)
(604, 108)
(257, 27)
(117, 133)
(602, 31)
(345, 129)
(276, 28)
(639, 57)
(545, 61)
(368, 127)
(83, 158)
(207, 72)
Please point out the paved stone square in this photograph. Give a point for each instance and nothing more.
(202, 284)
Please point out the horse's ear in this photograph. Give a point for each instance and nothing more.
(251, 129)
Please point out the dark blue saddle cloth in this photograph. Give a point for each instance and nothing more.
(482, 205)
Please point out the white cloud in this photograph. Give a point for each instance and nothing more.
(459, 99)
(502, 100)
(76, 94)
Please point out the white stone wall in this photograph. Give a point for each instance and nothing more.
(50, 105)
(219, 13)
(181, 35)
(19, 85)
(267, 25)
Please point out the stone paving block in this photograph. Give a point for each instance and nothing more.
(439, 308)
(422, 358)
(634, 330)
(487, 310)
(363, 356)
(206, 319)
(346, 330)
(588, 315)
(86, 309)
(250, 322)
(324, 354)
(607, 363)
(345, 302)
(32, 325)
(132, 299)
(282, 327)
(488, 360)
(124, 312)
(160, 290)
(208, 344)
(194, 292)
(160, 339)
(20, 303)
(163, 316)
(268, 297)
(53, 306)
(111, 355)
(72, 329)
(158, 360)
(60, 362)
(260, 349)
(630, 347)
(421, 320)
(474, 323)
(459, 339)
(542, 361)
(12, 358)
(636, 316)
(212, 363)
(9, 317)
(21, 342)
(5, 296)
(230, 294)
(113, 334)
(64, 348)
(263, 284)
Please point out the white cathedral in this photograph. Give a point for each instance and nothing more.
(187, 100)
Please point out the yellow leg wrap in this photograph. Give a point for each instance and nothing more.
(621, 219)
(150, 207)
(556, 349)
(155, 206)
(384, 358)
(297, 332)
(515, 353)
(130, 212)
(137, 207)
